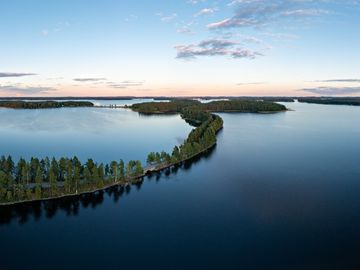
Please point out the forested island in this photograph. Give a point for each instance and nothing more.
(17, 104)
(237, 105)
(353, 101)
(42, 179)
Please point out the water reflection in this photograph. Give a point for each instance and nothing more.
(22, 213)
(103, 134)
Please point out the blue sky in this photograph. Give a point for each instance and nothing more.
(179, 47)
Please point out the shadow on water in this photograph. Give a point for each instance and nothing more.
(71, 205)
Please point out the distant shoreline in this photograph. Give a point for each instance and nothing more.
(325, 100)
(32, 105)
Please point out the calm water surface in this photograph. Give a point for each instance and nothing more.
(279, 191)
(102, 134)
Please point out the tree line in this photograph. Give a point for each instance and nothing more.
(46, 178)
(16, 104)
(200, 139)
(243, 106)
(171, 107)
(353, 101)
(235, 105)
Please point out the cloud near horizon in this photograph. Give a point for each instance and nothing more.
(27, 90)
(332, 90)
(341, 80)
(89, 79)
(12, 74)
(125, 84)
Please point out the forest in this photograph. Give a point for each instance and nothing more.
(16, 104)
(236, 105)
(172, 107)
(241, 105)
(47, 178)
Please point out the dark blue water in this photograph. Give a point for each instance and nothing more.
(279, 191)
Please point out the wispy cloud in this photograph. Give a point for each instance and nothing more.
(168, 18)
(26, 90)
(214, 47)
(206, 11)
(89, 79)
(305, 12)
(131, 18)
(125, 84)
(105, 83)
(256, 13)
(341, 80)
(184, 30)
(56, 28)
(194, 2)
(11, 74)
(332, 90)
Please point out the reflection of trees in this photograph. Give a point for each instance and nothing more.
(72, 205)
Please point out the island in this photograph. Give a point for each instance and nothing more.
(353, 101)
(236, 105)
(48, 178)
(16, 104)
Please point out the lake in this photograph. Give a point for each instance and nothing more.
(279, 191)
(101, 134)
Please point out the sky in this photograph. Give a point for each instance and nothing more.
(179, 48)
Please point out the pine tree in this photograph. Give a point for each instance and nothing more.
(53, 182)
(3, 185)
(151, 158)
(55, 168)
(38, 181)
(87, 175)
(77, 178)
(107, 170)
(114, 171)
(122, 169)
(138, 168)
(25, 174)
(9, 197)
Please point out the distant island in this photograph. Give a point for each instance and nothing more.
(353, 101)
(236, 105)
(15, 104)
(44, 179)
